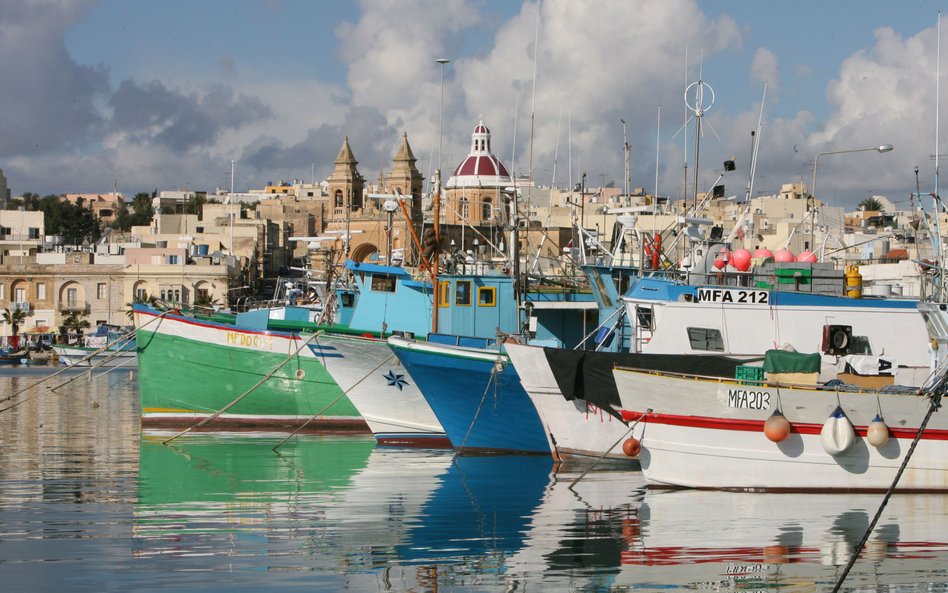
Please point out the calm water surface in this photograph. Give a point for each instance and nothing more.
(89, 503)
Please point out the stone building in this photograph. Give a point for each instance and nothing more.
(366, 225)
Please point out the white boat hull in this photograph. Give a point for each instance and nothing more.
(709, 434)
(579, 429)
(381, 389)
(76, 356)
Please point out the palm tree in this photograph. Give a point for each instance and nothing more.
(75, 322)
(146, 299)
(205, 301)
(14, 318)
(871, 205)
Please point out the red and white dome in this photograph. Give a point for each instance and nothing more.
(480, 168)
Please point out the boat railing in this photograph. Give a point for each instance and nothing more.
(841, 388)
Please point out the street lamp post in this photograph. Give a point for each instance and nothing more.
(880, 149)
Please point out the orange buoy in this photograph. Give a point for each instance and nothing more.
(632, 447)
(777, 427)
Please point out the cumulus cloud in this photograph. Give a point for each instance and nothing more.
(68, 127)
(152, 113)
(49, 101)
(764, 69)
(883, 95)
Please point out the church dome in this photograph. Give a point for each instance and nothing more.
(480, 168)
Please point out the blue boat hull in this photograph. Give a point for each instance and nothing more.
(477, 413)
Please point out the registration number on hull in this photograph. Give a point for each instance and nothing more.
(733, 295)
(748, 399)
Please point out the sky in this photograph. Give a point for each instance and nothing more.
(137, 95)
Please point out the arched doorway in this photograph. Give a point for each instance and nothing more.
(363, 252)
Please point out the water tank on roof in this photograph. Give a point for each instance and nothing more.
(202, 250)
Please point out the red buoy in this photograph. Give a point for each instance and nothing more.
(632, 447)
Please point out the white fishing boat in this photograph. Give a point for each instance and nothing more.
(381, 389)
(722, 433)
(88, 356)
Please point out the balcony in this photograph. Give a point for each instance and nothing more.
(21, 306)
(74, 307)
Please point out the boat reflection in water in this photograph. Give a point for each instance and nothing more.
(350, 514)
(728, 540)
(336, 505)
(334, 500)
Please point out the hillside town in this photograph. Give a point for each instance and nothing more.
(229, 250)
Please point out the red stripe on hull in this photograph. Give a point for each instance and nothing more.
(758, 425)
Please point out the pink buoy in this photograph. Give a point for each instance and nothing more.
(807, 256)
(741, 260)
(763, 253)
(721, 260)
(784, 255)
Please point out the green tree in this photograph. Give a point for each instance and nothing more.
(123, 218)
(205, 301)
(14, 318)
(75, 322)
(150, 300)
(142, 212)
(872, 205)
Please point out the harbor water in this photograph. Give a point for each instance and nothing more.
(90, 503)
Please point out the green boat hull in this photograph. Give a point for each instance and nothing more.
(183, 381)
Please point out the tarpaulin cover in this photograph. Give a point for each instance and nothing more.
(782, 361)
(584, 374)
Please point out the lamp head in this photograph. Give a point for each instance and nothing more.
(885, 148)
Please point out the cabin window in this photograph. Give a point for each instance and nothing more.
(702, 338)
(622, 282)
(860, 345)
(347, 299)
(487, 296)
(644, 319)
(383, 283)
(462, 292)
(444, 294)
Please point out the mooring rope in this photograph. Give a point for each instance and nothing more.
(935, 394)
(246, 393)
(609, 450)
(125, 336)
(490, 380)
(333, 402)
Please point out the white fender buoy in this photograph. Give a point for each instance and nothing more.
(837, 435)
(877, 433)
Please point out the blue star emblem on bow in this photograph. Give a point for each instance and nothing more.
(395, 380)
